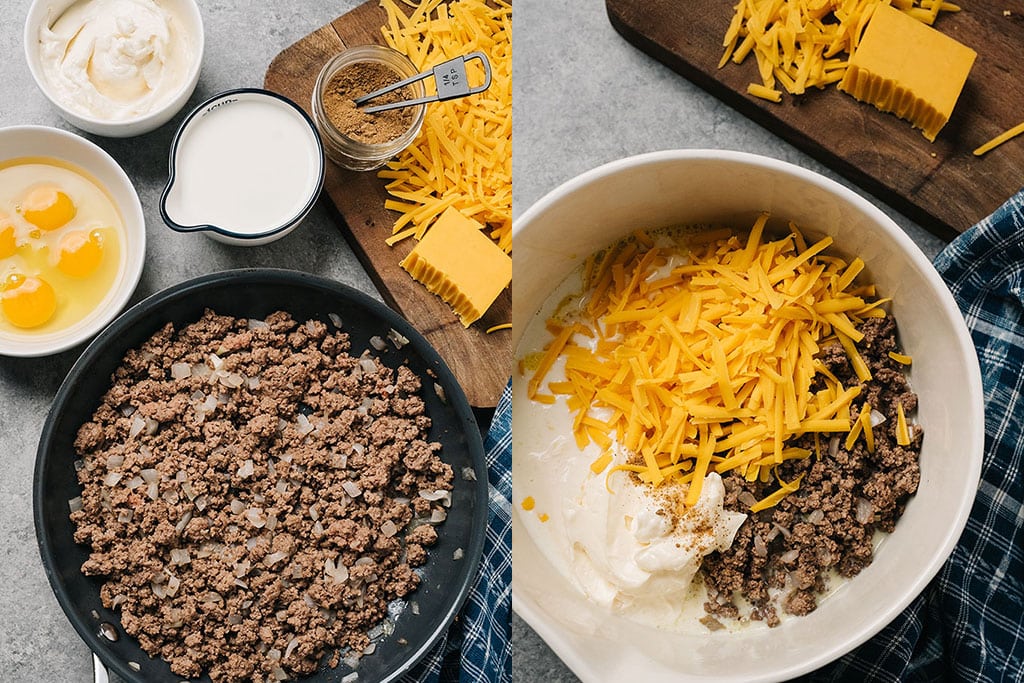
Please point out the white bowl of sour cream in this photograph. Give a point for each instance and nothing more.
(692, 187)
(117, 68)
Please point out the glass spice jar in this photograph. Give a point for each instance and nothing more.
(345, 150)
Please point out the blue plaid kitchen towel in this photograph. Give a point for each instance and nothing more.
(968, 625)
(478, 646)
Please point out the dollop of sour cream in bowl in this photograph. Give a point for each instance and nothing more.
(115, 67)
(638, 553)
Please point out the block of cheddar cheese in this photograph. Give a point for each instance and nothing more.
(457, 262)
(908, 68)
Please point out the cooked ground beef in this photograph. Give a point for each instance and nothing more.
(249, 491)
(829, 522)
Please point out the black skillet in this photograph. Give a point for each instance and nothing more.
(256, 293)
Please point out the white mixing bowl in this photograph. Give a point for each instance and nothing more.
(700, 186)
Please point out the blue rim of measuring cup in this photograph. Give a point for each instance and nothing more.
(205, 107)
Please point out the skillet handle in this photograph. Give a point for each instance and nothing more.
(100, 674)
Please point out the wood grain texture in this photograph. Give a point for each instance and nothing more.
(941, 185)
(481, 362)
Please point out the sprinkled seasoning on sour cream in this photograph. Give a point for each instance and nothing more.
(116, 59)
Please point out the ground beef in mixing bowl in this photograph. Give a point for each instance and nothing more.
(844, 498)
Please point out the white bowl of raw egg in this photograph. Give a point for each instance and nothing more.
(72, 240)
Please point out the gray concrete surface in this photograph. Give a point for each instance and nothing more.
(37, 644)
(583, 97)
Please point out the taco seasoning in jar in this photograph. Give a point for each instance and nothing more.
(353, 138)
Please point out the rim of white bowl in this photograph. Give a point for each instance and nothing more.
(57, 342)
(37, 13)
(555, 638)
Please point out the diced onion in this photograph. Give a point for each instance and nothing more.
(864, 512)
(292, 644)
(181, 370)
(877, 418)
(183, 522)
(377, 343)
(255, 517)
(273, 558)
(396, 338)
(180, 556)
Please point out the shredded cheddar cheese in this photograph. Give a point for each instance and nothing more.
(698, 352)
(902, 432)
(1000, 139)
(463, 156)
(869, 434)
(801, 44)
(900, 358)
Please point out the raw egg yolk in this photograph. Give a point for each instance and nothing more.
(80, 253)
(47, 208)
(27, 301)
(8, 243)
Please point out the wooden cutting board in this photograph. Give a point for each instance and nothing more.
(941, 185)
(481, 362)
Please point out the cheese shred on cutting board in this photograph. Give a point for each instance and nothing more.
(698, 352)
(463, 155)
(801, 44)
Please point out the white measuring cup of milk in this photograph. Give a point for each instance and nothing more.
(246, 166)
